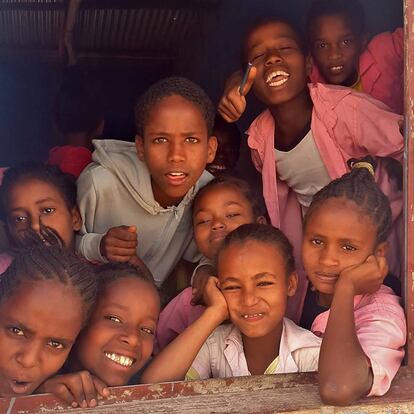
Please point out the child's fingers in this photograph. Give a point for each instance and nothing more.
(76, 389)
(249, 83)
(63, 393)
(121, 244)
(226, 115)
(100, 387)
(89, 390)
(122, 233)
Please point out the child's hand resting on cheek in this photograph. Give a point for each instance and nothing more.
(215, 299)
(78, 389)
(119, 244)
(233, 102)
(199, 284)
(364, 278)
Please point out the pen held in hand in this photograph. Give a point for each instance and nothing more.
(245, 76)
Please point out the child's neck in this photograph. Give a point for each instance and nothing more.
(260, 352)
(292, 120)
(325, 299)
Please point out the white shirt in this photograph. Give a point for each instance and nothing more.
(302, 169)
(222, 355)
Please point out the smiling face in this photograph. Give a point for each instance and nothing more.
(120, 335)
(337, 235)
(282, 69)
(336, 49)
(38, 325)
(176, 148)
(216, 213)
(31, 202)
(253, 280)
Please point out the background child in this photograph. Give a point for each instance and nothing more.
(308, 132)
(342, 55)
(362, 322)
(39, 198)
(118, 339)
(228, 147)
(78, 117)
(45, 299)
(149, 185)
(256, 274)
(221, 206)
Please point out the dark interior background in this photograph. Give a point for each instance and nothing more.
(29, 81)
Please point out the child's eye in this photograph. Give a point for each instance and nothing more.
(321, 45)
(113, 319)
(55, 344)
(19, 219)
(16, 331)
(203, 221)
(231, 288)
(192, 140)
(148, 331)
(317, 242)
(349, 248)
(231, 215)
(48, 210)
(265, 283)
(257, 57)
(160, 140)
(347, 42)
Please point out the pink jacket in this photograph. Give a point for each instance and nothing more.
(345, 124)
(381, 67)
(381, 330)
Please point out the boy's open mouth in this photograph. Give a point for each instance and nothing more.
(277, 78)
(176, 176)
(122, 360)
(252, 317)
(20, 387)
(336, 69)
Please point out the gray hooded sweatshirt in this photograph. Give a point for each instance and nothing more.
(115, 190)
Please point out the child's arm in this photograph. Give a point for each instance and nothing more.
(175, 360)
(78, 389)
(119, 244)
(345, 373)
(233, 102)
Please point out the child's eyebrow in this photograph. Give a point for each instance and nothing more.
(275, 38)
(230, 279)
(45, 199)
(263, 275)
(229, 203)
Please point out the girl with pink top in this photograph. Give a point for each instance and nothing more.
(342, 55)
(308, 133)
(362, 323)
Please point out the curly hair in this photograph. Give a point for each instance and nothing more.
(166, 87)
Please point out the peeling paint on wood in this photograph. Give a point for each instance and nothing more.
(294, 393)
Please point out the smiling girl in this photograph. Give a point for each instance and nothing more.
(256, 275)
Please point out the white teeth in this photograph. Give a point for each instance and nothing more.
(336, 68)
(176, 174)
(254, 315)
(120, 359)
(274, 75)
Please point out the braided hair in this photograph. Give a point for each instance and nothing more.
(171, 86)
(264, 233)
(51, 263)
(360, 187)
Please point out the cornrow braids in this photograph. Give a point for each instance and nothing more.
(168, 87)
(264, 233)
(238, 184)
(64, 183)
(360, 187)
(51, 263)
(114, 271)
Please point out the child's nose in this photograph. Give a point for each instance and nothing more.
(176, 152)
(218, 225)
(273, 57)
(131, 337)
(249, 298)
(328, 257)
(28, 356)
(335, 52)
(35, 223)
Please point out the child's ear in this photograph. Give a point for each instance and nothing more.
(308, 64)
(139, 145)
(382, 249)
(76, 219)
(212, 148)
(292, 284)
(261, 220)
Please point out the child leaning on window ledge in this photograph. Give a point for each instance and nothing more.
(256, 275)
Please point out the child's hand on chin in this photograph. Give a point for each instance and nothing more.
(215, 299)
(366, 277)
(78, 389)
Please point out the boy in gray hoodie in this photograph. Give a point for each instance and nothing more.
(135, 198)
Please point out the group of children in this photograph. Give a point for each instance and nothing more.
(79, 304)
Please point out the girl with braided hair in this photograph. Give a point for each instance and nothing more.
(46, 296)
(361, 320)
